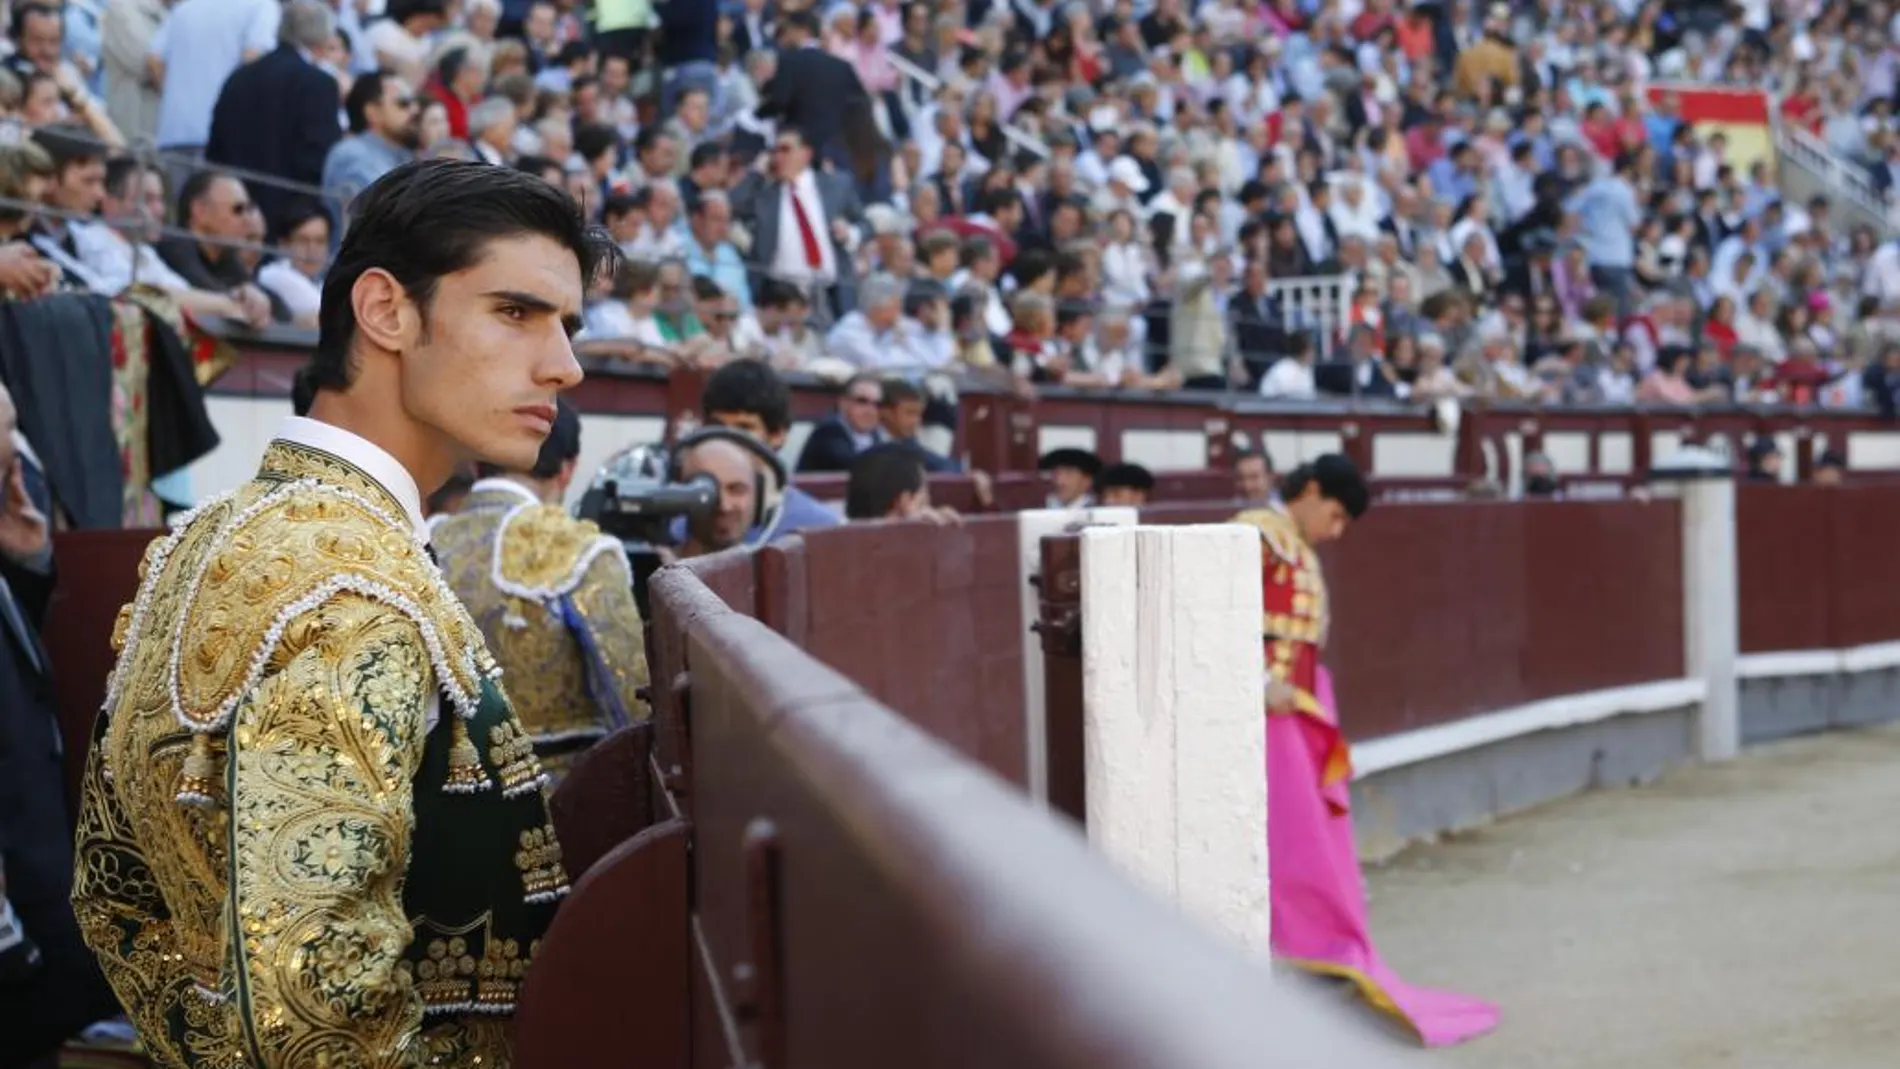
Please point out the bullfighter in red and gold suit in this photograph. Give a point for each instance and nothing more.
(1318, 893)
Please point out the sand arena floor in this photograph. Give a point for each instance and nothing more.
(1743, 916)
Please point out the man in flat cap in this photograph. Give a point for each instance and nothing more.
(1125, 484)
(1072, 475)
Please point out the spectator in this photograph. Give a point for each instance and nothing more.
(804, 223)
(888, 483)
(117, 249)
(52, 981)
(217, 213)
(295, 276)
(25, 172)
(1608, 217)
(385, 130)
(709, 253)
(74, 194)
(1072, 475)
(748, 396)
(900, 414)
(879, 335)
(1126, 485)
(1253, 476)
(812, 90)
(132, 95)
(395, 43)
(847, 432)
(276, 115)
(199, 45)
(491, 131)
(1830, 469)
(1291, 377)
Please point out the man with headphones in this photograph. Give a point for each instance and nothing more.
(749, 397)
(751, 480)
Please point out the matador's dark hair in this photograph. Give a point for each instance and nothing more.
(1338, 479)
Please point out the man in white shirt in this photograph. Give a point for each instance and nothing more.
(117, 247)
(878, 335)
(805, 224)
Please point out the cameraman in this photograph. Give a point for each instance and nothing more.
(748, 396)
(734, 470)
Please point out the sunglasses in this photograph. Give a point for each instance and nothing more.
(862, 399)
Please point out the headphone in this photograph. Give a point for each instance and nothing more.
(768, 494)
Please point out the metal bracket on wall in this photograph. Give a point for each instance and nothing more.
(758, 995)
(676, 779)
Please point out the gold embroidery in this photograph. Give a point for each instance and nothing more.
(552, 574)
(511, 751)
(539, 859)
(467, 1043)
(466, 774)
(446, 972)
(1292, 562)
(267, 927)
(321, 777)
(286, 550)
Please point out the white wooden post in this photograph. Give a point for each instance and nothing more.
(1031, 526)
(1705, 484)
(1174, 741)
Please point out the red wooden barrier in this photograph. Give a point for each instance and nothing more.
(97, 576)
(925, 618)
(1000, 432)
(1864, 561)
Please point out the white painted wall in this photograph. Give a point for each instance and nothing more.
(1174, 738)
(1710, 613)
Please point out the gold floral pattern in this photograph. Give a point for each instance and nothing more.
(1290, 560)
(531, 575)
(539, 860)
(274, 923)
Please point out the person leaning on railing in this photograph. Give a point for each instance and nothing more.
(25, 170)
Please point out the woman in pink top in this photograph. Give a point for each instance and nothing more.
(1667, 384)
(869, 56)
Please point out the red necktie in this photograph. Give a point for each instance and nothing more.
(814, 258)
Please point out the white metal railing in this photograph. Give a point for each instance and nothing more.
(1016, 135)
(1315, 303)
(1842, 178)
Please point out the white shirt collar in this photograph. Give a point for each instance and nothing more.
(505, 485)
(366, 455)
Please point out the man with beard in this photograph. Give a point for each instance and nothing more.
(383, 131)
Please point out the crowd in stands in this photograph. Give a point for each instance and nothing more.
(1291, 198)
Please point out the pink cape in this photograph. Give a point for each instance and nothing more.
(1319, 895)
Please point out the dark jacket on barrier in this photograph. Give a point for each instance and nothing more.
(57, 359)
(65, 991)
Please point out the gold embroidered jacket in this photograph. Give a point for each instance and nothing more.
(554, 598)
(1293, 598)
(281, 862)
